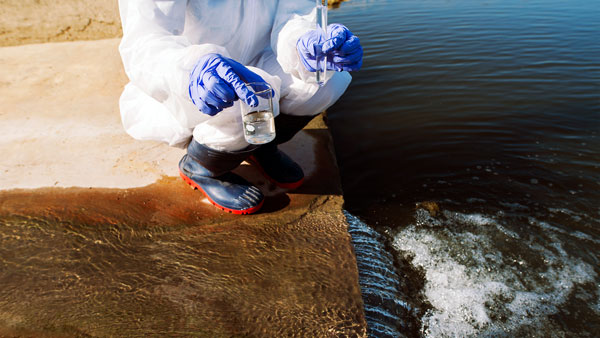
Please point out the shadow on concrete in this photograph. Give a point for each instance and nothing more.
(312, 149)
(275, 203)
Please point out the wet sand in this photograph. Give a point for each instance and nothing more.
(100, 237)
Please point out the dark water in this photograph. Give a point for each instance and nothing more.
(490, 112)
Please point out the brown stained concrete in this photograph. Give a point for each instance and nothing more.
(99, 237)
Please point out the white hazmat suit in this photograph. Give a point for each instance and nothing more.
(163, 40)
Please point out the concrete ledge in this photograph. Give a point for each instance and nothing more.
(99, 237)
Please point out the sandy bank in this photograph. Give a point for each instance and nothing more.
(61, 124)
(36, 21)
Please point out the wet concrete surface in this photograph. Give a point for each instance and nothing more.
(161, 261)
(101, 253)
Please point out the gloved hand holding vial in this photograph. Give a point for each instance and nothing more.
(197, 70)
(342, 49)
(258, 120)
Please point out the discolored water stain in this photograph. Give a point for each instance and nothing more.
(161, 261)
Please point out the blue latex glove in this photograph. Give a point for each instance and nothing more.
(343, 49)
(216, 82)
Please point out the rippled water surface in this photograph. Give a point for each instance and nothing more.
(489, 112)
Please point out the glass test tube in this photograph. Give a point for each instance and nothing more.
(320, 57)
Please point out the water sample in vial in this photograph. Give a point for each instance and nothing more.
(259, 127)
(320, 57)
(258, 122)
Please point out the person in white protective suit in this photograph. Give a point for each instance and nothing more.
(188, 62)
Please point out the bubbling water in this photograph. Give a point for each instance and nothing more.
(387, 309)
(484, 277)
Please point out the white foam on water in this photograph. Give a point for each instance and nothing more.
(379, 282)
(475, 289)
(472, 219)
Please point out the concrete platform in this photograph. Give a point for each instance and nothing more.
(100, 237)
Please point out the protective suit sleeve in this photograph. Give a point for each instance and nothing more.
(157, 59)
(293, 18)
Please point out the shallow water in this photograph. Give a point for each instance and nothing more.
(490, 112)
(159, 261)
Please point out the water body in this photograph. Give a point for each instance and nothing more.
(470, 143)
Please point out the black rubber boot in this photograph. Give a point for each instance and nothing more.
(275, 164)
(210, 171)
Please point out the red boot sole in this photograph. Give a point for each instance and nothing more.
(232, 211)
